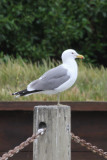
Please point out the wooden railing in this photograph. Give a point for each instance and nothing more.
(75, 106)
(89, 121)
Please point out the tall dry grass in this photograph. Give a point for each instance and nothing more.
(91, 84)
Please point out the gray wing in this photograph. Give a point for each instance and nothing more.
(50, 80)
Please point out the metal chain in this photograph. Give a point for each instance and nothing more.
(23, 144)
(89, 146)
(76, 139)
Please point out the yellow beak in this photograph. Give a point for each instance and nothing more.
(80, 56)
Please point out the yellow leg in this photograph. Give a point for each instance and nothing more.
(58, 99)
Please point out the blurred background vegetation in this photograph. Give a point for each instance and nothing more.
(91, 84)
(33, 35)
(35, 29)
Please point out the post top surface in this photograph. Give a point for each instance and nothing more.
(52, 107)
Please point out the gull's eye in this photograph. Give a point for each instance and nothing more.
(72, 53)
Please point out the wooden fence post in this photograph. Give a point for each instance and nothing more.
(55, 144)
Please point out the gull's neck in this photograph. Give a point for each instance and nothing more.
(71, 64)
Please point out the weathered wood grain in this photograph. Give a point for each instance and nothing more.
(55, 144)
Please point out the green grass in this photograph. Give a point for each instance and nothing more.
(91, 84)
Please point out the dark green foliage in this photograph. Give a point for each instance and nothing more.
(36, 29)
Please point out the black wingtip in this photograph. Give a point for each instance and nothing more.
(16, 93)
(20, 93)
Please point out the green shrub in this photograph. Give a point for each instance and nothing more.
(35, 29)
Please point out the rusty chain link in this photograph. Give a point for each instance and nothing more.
(11, 153)
(76, 139)
(89, 146)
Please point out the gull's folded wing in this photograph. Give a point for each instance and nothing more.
(50, 80)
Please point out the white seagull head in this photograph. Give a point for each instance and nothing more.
(70, 54)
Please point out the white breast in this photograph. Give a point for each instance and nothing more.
(72, 69)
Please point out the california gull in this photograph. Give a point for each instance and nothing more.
(55, 80)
